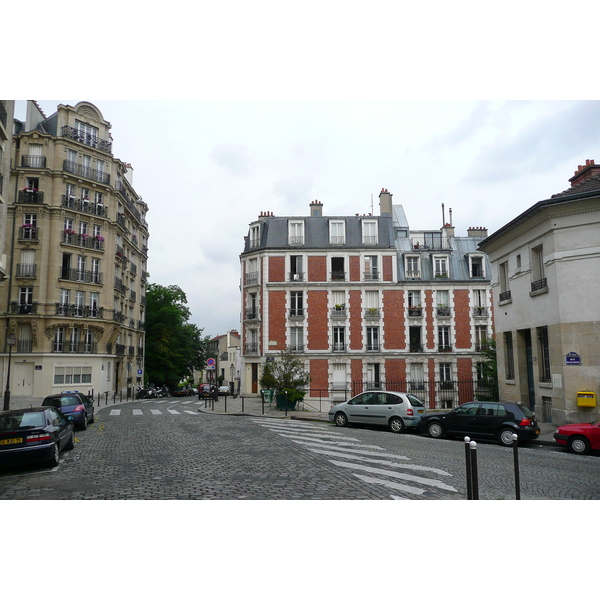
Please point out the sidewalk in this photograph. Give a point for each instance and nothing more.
(253, 406)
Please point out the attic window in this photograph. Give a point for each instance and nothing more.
(476, 266)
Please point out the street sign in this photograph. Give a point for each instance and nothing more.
(210, 362)
(139, 371)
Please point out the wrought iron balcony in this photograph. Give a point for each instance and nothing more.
(30, 196)
(76, 310)
(28, 232)
(413, 274)
(33, 161)
(26, 270)
(339, 347)
(88, 139)
(252, 278)
(83, 171)
(338, 276)
(373, 347)
(371, 276)
(444, 348)
(251, 314)
(75, 347)
(415, 347)
(80, 275)
(118, 316)
(426, 243)
(83, 240)
(415, 311)
(443, 311)
(539, 285)
(296, 348)
(23, 308)
(84, 205)
(372, 313)
(296, 276)
(338, 313)
(252, 348)
(296, 240)
(480, 311)
(505, 296)
(296, 313)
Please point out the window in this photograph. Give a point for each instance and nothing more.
(296, 304)
(544, 350)
(337, 232)
(369, 232)
(371, 270)
(373, 376)
(444, 338)
(445, 370)
(94, 304)
(372, 339)
(414, 298)
(509, 361)
(79, 303)
(417, 377)
(29, 227)
(338, 272)
(414, 339)
(339, 376)
(83, 228)
(339, 339)
(296, 233)
(413, 270)
(538, 278)
(297, 339)
(296, 268)
(440, 266)
(476, 266)
(503, 277)
(443, 303)
(98, 198)
(480, 302)
(27, 266)
(72, 375)
(25, 300)
(95, 270)
(80, 268)
(252, 271)
(74, 340)
(481, 336)
(371, 301)
(70, 190)
(59, 338)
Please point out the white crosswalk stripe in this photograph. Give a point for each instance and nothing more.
(361, 459)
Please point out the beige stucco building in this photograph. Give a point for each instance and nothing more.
(546, 289)
(77, 248)
(6, 124)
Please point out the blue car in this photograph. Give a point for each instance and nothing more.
(74, 405)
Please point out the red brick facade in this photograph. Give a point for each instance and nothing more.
(319, 374)
(462, 319)
(394, 337)
(318, 322)
(354, 268)
(276, 268)
(277, 320)
(356, 321)
(317, 268)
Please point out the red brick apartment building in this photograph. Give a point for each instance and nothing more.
(365, 301)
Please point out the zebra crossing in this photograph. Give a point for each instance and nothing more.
(175, 408)
(369, 463)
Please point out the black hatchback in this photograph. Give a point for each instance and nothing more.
(483, 420)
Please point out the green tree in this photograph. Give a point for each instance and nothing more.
(174, 347)
(488, 372)
(286, 374)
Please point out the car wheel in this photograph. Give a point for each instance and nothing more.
(505, 436)
(93, 418)
(579, 445)
(435, 429)
(83, 426)
(71, 443)
(53, 460)
(396, 424)
(341, 420)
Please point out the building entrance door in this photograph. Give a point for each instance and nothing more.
(529, 358)
(22, 380)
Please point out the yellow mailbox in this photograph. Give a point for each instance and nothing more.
(586, 398)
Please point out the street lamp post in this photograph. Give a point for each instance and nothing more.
(11, 340)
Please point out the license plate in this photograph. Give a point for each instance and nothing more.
(420, 411)
(11, 441)
(537, 431)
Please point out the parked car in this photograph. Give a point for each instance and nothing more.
(34, 435)
(183, 392)
(484, 420)
(395, 410)
(224, 390)
(579, 438)
(205, 390)
(73, 404)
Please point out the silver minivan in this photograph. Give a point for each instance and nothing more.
(396, 410)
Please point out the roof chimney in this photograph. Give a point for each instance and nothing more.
(316, 209)
(477, 232)
(584, 172)
(385, 202)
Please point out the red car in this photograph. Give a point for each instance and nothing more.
(580, 437)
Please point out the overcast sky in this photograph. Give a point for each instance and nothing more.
(207, 169)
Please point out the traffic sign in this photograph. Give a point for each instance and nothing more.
(210, 362)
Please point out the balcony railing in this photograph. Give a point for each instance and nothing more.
(83, 240)
(76, 310)
(505, 296)
(252, 348)
(372, 313)
(23, 308)
(251, 314)
(443, 311)
(28, 232)
(373, 347)
(26, 270)
(84, 205)
(86, 138)
(370, 240)
(413, 274)
(80, 275)
(118, 316)
(339, 347)
(540, 284)
(338, 313)
(423, 243)
(337, 240)
(296, 240)
(415, 347)
(30, 196)
(33, 161)
(371, 276)
(83, 171)
(296, 347)
(338, 276)
(75, 347)
(252, 278)
(296, 313)
(480, 311)
(414, 311)
(296, 276)
(444, 348)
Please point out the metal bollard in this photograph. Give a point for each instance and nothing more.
(475, 483)
(468, 465)
(225, 403)
(515, 438)
(242, 403)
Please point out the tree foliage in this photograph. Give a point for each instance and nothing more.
(174, 347)
(286, 373)
(489, 371)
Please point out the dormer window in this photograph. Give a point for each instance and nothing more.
(369, 232)
(296, 233)
(337, 232)
(254, 236)
(412, 267)
(440, 266)
(476, 265)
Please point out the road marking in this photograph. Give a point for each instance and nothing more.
(138, 411)
(391, 484)
(155, 411)
(301, 440)
(330, 446)
(173, 411)
(386, 472)
(115, 412)
(190, 412)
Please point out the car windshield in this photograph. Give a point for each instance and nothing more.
(62, 401)
(33, 419)
(414, 400)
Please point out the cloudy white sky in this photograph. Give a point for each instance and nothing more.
(207, 168)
